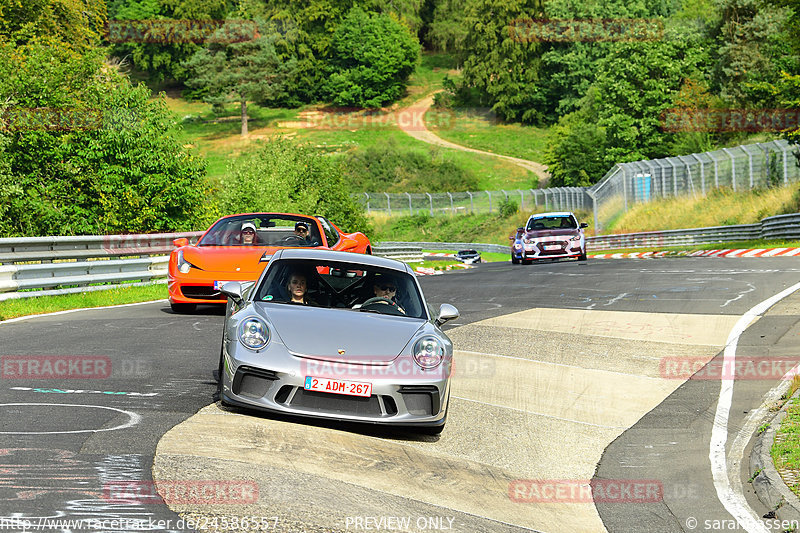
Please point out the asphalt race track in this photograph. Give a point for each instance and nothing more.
(567, 374)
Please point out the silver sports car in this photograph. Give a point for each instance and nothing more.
(337, 335)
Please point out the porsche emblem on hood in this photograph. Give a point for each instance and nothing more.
(341, 352)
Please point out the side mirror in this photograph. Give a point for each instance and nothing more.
(446, 313)
(183, 241)
(584, 225)
(348, 244)
(233, 289)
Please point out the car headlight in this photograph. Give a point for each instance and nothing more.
(428, 352)
(517, 245)
(253, 333)
(575, 238)
(184, 266)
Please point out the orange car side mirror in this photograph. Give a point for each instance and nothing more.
(348, 244)
(183, 241)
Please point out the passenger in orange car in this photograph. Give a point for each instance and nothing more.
(248, 234)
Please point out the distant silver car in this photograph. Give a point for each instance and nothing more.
(357, 343)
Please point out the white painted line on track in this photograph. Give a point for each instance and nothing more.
(134, 419)
(27, 317)
(734, 501)
(540, 414)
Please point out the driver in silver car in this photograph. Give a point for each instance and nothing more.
(385, 287)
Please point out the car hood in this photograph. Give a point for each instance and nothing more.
(229, 259)
(321, 333)
(537, 234)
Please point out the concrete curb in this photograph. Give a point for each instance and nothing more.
(768, 484)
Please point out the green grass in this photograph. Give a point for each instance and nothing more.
(486, 257)
(493, 173)
(786, 447)
(216, 136)
(721, 207)
(482, 131)
(427, 78)
(480, 227)
(49, 304)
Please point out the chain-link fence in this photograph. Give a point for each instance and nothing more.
(745, 167)
(552, 199)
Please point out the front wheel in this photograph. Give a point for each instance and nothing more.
(514, 260)
(582, 257)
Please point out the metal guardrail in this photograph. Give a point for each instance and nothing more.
(785, 227)
(28, 262)
(43, 249)
(69, 264)
(408, 252)
(37, 266)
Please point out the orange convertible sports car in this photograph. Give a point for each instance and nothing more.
(237, 248)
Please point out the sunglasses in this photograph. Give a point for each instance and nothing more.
(248, 231)
(304, 230)
(387, 288)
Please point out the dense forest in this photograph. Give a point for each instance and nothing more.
(83, 149)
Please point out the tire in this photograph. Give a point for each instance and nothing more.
(514, 260)
(582, 257)
(183, 308)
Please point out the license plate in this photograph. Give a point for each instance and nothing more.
(338, 386)
(552, 247)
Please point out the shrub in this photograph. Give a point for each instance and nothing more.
(508, 207)
(389, 168)
(285, 176)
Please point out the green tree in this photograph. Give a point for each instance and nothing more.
(636, 83)
(576, 149)
(283, 175)
(161, 59)
(755, 45)
(372, 57)
(83, 151)
(77, 23)
(502, 66)
(241, 72)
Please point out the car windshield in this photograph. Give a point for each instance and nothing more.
(263, 230)
(351, 287)
(552, 222)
